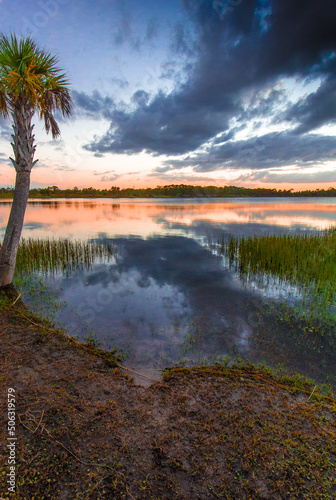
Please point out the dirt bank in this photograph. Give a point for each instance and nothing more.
(85, 430)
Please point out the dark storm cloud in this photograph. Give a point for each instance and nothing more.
(318, 109)
(242, 47)
(160, 128)
(271, 150)
(94, 105)
(140, 98)
(262, 103)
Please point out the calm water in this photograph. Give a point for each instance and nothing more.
(166, 296)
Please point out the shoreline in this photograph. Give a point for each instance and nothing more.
(111, 197)
(86, 430)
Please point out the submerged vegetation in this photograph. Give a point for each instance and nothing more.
(51, 256)
(168, 191)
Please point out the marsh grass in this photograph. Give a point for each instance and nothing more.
(40, 261)
(307, 262)
(302, 260)
(51, 256)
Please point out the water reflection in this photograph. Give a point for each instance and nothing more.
(87, 218)
(160, 298)
(164, 299)
(166, 296)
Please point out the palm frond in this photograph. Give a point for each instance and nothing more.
(3, 102)
(31, 75)
(50, 123)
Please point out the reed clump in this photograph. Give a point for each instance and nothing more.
(302, 260)
(50, 256)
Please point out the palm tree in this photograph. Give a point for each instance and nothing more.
(30, 81)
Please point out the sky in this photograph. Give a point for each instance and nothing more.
(206, 92)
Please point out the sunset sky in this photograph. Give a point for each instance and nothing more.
(204, 92)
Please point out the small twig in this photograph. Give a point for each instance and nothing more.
(312, 392)
(213, 491)
(28, 428)
(36, 324)
(30, 416)
(38, 425)
(17, 298)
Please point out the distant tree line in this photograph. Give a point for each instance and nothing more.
(168, 191)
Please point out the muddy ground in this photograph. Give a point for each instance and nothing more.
(86, 430)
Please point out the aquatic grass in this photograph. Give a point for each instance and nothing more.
(50, 256)
(39, 261)
(302, 260)
(307, 262)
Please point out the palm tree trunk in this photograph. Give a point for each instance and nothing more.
(24, 149)
(14, 228)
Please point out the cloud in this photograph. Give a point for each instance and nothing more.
(124, 30)
(299, 177)
(265, 102)
(125, 33)
(103, 173)
(110, 178)
(58, 145)
(271, 150)
(182, 178)
(238, 53)
(140, 98)
(5, 128)
(93, 106)
(160, 128)
(64, 168)
(122, 83)
(181, 40)
(318, 109)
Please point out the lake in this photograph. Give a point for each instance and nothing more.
(167, 296)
